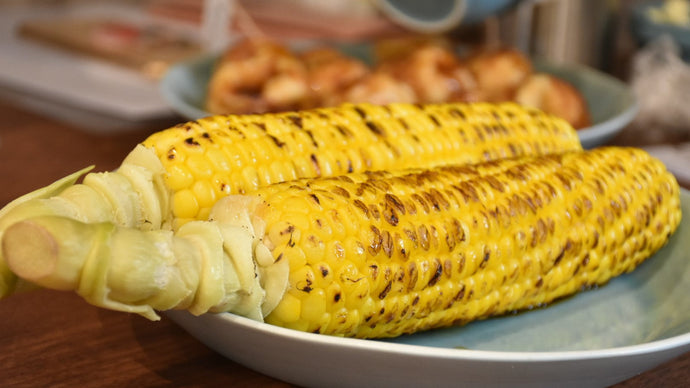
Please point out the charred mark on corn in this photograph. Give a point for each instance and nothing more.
(382, 295)
(278, 143)
(435, 273)
(344, 132)
(191, 142)
(315, 164)
(361, 112)
(435, 120)
(296, 121)
(375, 128)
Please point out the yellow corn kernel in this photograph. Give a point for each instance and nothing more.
(289, 310)
(185, 204)
(179, 177)
(204, 193)
(200, 166)
(317, 307)
(430, 248)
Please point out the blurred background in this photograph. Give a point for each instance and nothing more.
(107, 66)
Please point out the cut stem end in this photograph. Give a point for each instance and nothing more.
(31, 250)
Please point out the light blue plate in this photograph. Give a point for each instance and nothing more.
(184, 87)
(610, 101)
(593, 339)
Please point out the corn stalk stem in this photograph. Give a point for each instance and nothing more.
(133, 196)
(205, 266)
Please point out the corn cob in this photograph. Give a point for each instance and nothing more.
(208, 159)
(377, 254)
(178, 174)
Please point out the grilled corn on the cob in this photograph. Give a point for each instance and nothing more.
(377, 254)
(221, 155)
(178, 174)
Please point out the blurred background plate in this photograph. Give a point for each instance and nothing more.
(94, 94)
(611, 103)
(184, 87)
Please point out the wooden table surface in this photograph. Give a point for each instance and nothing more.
(50, 338)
